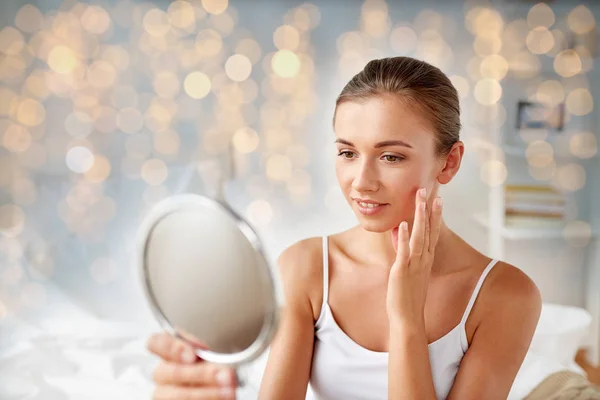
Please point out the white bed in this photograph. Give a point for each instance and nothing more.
(60, 351)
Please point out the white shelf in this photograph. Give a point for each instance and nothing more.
(516, 233)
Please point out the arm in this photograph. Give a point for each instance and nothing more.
(288, 367)
(498, 347)
(501, 340)
(409, 371)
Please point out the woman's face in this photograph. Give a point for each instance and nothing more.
(386, 152)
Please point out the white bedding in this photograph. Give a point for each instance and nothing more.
(63, 352)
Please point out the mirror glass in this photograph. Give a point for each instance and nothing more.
(207, 279)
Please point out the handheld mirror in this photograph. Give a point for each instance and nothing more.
(207, 279)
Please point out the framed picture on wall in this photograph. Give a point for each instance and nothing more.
(532, 115)
(536, 121)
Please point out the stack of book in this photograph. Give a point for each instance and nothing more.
(534, 206)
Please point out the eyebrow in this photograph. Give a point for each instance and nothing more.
(385, 143)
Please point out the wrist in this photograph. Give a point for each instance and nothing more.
(407, 328)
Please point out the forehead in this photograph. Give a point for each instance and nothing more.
(380, 118)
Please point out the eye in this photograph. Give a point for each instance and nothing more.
(393, 159)
(344, 154)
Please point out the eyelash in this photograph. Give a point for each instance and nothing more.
(398, 158)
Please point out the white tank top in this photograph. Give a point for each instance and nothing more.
(344, 370)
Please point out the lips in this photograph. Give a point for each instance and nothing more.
(369, 208)
(364, 201)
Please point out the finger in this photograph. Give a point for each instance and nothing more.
(189, 338)
(435, 223)
(417, 236)
(199, 374)
(403, 247)
(170, 392)
(427, 226)
(169, 348)
(395, 232)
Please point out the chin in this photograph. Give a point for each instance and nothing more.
(375, 225)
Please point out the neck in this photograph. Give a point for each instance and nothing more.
(380, 244)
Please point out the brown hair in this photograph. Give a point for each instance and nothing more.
(417, 82)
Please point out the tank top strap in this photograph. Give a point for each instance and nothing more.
(325, 270)
(484, 274)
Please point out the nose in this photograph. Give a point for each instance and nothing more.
(366, 179)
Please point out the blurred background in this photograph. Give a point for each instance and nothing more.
(107, 107)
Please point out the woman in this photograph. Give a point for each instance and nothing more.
(398, 306)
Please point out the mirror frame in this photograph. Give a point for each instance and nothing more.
(191, 201)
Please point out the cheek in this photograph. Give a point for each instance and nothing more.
(343, 174)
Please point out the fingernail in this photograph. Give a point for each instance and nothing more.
(404, 226)
(227, 393)
(223, 378)
(438, 202)
(423, 192)
(188, 356)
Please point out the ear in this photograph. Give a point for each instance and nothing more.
(451, 164)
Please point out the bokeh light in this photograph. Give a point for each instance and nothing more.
(540, 40)
(101, 74)
(79, 159)
(245, 140)
(550, 92)
(197, 85)
(580, 102)
(166, 84)
(493, 173)
(79, 124)
(129, 120)
(238, 67)
(540, 15)
(95, 20)
(99, 171)
(17, 138)
(286, 37)
(31, 112)
(154, 172)
(487, 91)
(286, 63)
(584, 145)
(11, 41)
(581, 20)
(209, 43)
(570, 177)
(156, 22)
(494, 66)
(62, 59)
(182, 15)
(567, 63)
(29, 18)
(577, 233)
(539, 153)
(260, 213)
(215, 7)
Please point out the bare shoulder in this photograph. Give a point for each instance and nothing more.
(300, 269)
(301, 259)
(513, 290)
(510, 282)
